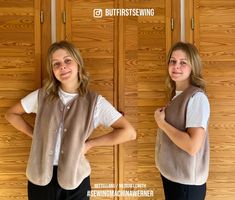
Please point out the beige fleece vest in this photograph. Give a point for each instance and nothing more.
(174, 163)
(75, 118)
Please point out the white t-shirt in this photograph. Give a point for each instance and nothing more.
(198, 110)
(105, 114)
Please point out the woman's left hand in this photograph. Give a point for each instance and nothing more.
(159, 116)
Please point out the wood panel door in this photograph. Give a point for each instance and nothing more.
(154, 40)
(95, 38)
(125, 57)
(214, 36)
(20, 74)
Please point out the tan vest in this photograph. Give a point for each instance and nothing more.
(76, 120)
(174, 163)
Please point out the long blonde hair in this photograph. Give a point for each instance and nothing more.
(52, 84)
(194, 60)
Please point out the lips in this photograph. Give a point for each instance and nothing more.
(176, 73)
(65, 75)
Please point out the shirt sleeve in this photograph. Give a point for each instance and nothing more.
(105, 114)
(30, 102)
(198, 111)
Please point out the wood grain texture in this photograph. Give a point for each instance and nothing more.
(215, 39)
(20, 67)
(132, 73)
(125, 57)
(95, 39)
(152, 45)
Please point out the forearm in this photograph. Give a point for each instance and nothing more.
(180, 138)
(117, 136)
(19, 123)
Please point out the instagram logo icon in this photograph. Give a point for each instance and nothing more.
(97, 13)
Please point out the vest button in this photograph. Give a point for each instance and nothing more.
(68, 107)
(62, 152)
(50, 152)
(65, 130)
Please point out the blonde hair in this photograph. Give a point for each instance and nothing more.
(52, 84)
(194, 60)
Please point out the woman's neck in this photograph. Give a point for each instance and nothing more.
(182, 86)
(69, 88)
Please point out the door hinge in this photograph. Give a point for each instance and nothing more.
(64, 17)
(172, 23)
(192, 23)
(41, 16)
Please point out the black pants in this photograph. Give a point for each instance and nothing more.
(53, 191)
(177, 191)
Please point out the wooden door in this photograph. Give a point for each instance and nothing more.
(125, 57)
(154, 40)
(95, 39)
(214, 36)
(175, 9)
(20, 74)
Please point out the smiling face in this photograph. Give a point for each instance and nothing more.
(179, 69)
(64, 67)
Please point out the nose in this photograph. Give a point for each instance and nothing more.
(62, 65)
(177, 65)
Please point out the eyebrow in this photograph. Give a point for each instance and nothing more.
(180, 59)
(63, 58)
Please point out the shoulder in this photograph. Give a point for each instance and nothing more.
(30, 102)
(200, 96)
(102, 101)
(198, 111)
(91, 94)
(32, 95)
(103, 104)
(105, 113)
(194, 90)
(199, 101)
